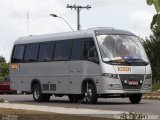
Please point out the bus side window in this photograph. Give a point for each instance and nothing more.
(62, 50)
(77, 49)
(90, 51)
(31, 52)
(17, 55)
(46, 51)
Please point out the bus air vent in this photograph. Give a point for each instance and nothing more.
(52, 87)
(46, 87)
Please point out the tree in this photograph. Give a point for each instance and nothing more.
(152, 43)
(155, 25)
(156, 4)
(2, 59)
(4, 67)
(151, 46)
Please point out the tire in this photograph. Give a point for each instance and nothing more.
(91, 94)
(76, 98)
(37, 94)
(135, 98)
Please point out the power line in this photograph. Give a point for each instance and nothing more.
(96, 3)
(116, 3)
(4, 29)
(103, 3)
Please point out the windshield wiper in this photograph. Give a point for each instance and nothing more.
(133, 60)
(115, 61)
(127, 60)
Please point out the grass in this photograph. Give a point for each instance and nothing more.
(35, 115)
(156, 86)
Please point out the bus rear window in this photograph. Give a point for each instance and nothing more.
(17, 55)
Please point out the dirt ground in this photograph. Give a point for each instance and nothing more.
(13, 114)
(152, 94)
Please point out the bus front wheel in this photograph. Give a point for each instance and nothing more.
(91, 94)
(135, 98)
(37, 94)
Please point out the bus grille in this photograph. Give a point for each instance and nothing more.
(131, 77)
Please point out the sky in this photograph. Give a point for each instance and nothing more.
(132, 15)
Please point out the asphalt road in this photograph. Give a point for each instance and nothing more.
(117, 104)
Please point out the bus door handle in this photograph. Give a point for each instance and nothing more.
(59, 82)
(78, 71)
(71, 71)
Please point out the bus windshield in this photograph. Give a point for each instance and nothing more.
(121, 48)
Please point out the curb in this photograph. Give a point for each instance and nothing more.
(151, 97)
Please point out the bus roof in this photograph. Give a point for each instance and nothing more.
(71, 35)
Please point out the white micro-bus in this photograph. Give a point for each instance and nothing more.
(91, 64)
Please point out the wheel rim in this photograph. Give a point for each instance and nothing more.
(36, 93)
(88, 95)
(18, 92)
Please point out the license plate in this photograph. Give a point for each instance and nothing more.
(133, 82)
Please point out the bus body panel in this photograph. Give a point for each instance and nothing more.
(47, 72)
(81, 70)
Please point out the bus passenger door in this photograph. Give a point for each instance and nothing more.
(76, 76)
(76, 66)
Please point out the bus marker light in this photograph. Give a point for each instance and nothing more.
(15, 66)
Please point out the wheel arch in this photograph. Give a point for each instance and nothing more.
(35, 81)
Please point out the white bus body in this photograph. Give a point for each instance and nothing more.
(93, 63)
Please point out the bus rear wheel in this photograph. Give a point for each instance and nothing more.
(37, 94)
(91, 94)
(135, 98)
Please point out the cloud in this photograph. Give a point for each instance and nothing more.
(141, 22)
(142, 18)
(13, 21)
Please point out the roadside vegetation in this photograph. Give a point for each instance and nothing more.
(4, 67)
(152, 44)
(156, 87)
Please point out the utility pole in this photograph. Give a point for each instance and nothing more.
(78, 8)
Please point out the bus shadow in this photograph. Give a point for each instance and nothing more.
(67, 102)
(85, 103)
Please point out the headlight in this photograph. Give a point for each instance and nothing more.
(110, 75)
(148, 76)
